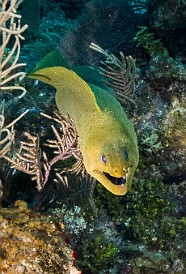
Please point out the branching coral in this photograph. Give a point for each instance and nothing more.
(120, 73)
(31, 160)
(7, 132)
(7, 136)
(10, 28)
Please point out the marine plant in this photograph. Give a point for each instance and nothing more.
(145, 38)
(147, 214)
(98, 254)
(162, 68)
(52, 26)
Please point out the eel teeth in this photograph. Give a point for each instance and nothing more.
(124, 179)
(117, 181)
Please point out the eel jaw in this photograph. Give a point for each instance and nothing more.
(115, 180)
(117, 186)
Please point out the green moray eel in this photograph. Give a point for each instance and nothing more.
(107, 139)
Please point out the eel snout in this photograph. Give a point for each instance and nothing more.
(116, 185)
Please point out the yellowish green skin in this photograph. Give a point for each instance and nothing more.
(102, 126)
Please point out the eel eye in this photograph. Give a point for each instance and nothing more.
(126, 154)
(103, 158)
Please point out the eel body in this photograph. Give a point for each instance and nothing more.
(107, 139)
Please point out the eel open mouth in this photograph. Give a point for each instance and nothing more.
(115, 180)
(117, 186)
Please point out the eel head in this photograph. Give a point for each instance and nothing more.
(113, 165)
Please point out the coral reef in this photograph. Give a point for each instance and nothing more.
(32, 243)
(161, 69)
(95, 240)
(143, 232)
